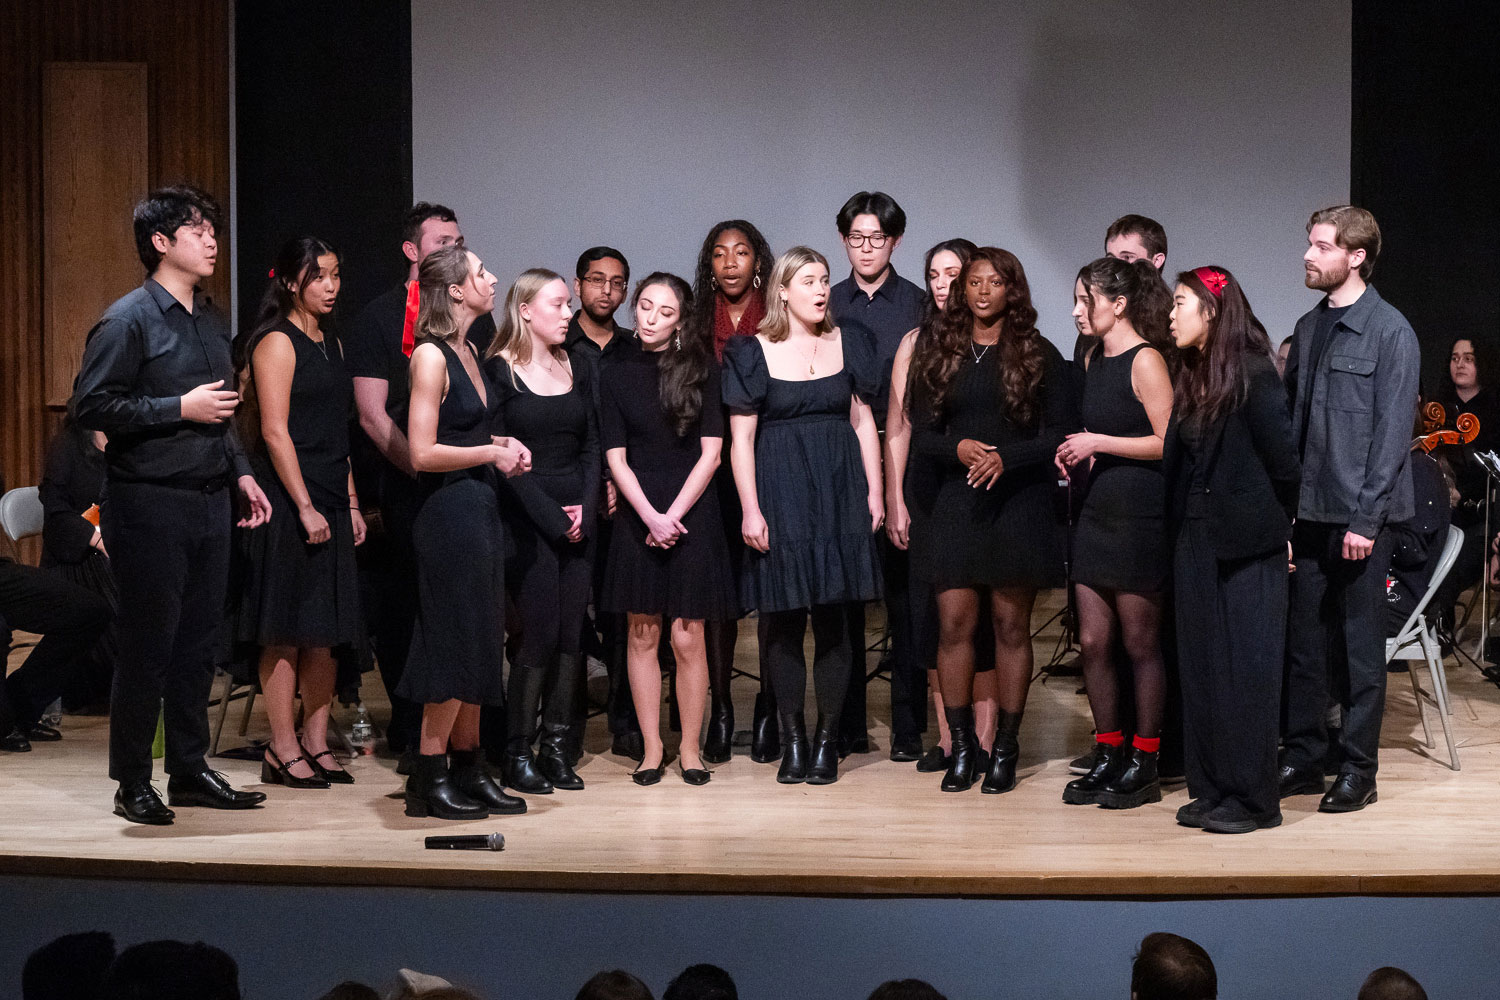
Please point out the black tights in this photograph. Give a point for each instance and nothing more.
(1138, 619)
(781, 635)
(958, 614)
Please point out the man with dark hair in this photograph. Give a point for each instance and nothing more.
(906, 989)
(1136, 237)
(70, 968)
(615, 984)
(377, 359)
(172, 970)
(1391, 983)
(879, 306)
(1168, 967)
(1355, 372)
(594, 342)
(158, 379)
(701, 982)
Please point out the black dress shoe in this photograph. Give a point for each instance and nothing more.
(38, 733)
(15, 741)
(1350, 793)
(905, 749)
(932, 761)
(139, 803)
(631, 745)
(209, 790)
(1295, 781)
(1191, 815)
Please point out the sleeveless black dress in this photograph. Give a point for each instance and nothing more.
(810, 480)
(1009, 535)
(457, 644)
(692, 579)
(290, 593)
(1120, 541)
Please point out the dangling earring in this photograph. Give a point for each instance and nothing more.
(712, 283)
(677, 339)
(756, 280)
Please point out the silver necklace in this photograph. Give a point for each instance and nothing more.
(979, 355)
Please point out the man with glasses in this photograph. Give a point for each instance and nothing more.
(879, 305)
(594, 343)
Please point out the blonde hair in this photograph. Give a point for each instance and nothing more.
(438, 271)
(778, 322)
(513, 338)
(1354, 229)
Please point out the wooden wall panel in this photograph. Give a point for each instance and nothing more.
(95, 151)
(185, 46)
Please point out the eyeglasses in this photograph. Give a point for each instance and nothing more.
(876, 240)
(600, 282)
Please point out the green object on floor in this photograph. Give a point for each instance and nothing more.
(159, 743)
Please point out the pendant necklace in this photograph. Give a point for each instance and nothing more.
(813, 358)
(979, 355)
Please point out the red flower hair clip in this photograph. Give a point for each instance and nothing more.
(1212, 279)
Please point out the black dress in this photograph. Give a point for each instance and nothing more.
(1009, 535)
(457, 644)
(810, 480)
(692, 579)
(290, 593)
(1119, 542)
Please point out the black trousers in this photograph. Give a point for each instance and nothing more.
(604, 637)
(1231, 627)
(905, 662)
(782, 634)
(1335, 647)
(170, 552)
(70, 620)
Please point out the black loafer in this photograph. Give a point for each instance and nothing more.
(15, 741)
(1350, 793)
(906, 749)
(139, 803)
(38, 733)
(209, 790)
(1300, 782)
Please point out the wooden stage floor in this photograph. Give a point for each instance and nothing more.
(883, 829)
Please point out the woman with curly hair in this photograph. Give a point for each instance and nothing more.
(990, 401)
(729, 300)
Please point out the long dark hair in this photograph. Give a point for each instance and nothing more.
(703, 284)
(684, 366)
(1213, 381)
(1148, 300)
(962, 249)
(296, 264)
(1482, 363)
(936, 359)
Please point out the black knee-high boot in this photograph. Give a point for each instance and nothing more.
(523, 695)
(720, 641)
(557, 722)
(1002, 772)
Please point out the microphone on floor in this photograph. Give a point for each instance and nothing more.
(467, 842)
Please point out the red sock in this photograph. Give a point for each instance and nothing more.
(1114, 739)
(1150, 744)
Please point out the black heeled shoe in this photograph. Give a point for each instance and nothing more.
(553, 763)
(765, 741)
(716, 741)
(962, 765)
(794, 750)
(473, 779)
(276, 771)
(335, 775)
(518, 769)
(824, 769)
(1001, 776)
(430, 791)
(649, 775)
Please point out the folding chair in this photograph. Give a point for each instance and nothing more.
(1417, 641)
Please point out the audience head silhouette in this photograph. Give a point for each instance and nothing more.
(1168, 967)
(71, 968)
(701, 982)
(1390, 983)
(172, 970)
(351, 990)
(616, 984)
(906, 989)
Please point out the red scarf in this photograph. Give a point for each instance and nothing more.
(724, 328)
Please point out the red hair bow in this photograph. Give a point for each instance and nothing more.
(1213, 280)
(409, 327)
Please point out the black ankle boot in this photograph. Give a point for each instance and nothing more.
(1001, 776)
(961, 763)
(1108, 763)
(559, 716)
(552, 761)
(765, 743)
(716, 742)
(1135, 785)
(794, 749)
(824, 769)
(518, 769)
(473, 779)
(431, 792)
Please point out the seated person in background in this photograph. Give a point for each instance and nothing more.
(1168, 967)
(351, 990)
(701, 982)
(1390, 983)
(72, 546)
(172, 970)
(905, 989)
(1418, 542)
(1465, 389)
(70, 968)
(1282, 353)
(615, 984)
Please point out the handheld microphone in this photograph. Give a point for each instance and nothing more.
(467, 842)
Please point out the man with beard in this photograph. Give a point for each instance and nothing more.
(1355, 367)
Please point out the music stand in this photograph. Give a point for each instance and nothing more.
(1490, 463)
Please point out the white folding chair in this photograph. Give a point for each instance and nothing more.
(21, 514)
(1417, 641)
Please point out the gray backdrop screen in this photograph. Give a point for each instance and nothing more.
(1028, 125)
